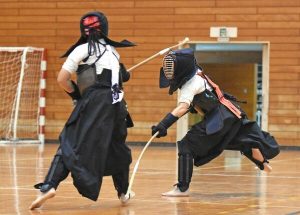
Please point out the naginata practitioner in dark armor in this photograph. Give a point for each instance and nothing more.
(224, 125)
(92, 142)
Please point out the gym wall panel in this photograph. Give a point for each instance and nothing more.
(8, 40)
(257, 17)
(257, 3)
(284, 9)
(267, 32)
(214, 10)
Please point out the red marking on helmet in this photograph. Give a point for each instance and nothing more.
(91, 21)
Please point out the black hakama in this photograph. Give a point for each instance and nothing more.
(221, 130)
(93, 140)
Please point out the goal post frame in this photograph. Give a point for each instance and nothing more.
(41, 99)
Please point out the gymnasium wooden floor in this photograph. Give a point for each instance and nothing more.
(228, 185)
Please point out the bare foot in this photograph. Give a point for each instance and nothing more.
(175, 192)
(124, 198)
(41, 199)
(256, 154)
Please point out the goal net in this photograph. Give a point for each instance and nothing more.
(21, 88)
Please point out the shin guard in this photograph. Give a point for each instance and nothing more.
(56, 173)
(185, 171)
(121, 181)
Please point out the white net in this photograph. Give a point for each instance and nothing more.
(20, 75)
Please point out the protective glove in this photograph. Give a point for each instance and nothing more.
(124, 73)
(75, 95)
(159, 128)
(163, 126)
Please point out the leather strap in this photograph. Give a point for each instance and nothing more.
(221, 97)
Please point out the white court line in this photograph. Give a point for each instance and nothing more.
(15, 182)
(226, 175)
(164, 200)
(28, 159)
(26, 187)
(272, 161)
(170, 172)
(155, 172)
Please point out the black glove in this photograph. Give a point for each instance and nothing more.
(75, 95)
(162, 127)
(159, 128)
(124, 73)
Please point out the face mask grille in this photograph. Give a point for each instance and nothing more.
(168, 66)
(91, 23)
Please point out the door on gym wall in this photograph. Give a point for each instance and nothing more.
(239, 68)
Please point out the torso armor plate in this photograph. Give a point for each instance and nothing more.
(205, 100)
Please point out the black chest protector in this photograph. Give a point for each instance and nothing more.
(206, 100)
(86, 77)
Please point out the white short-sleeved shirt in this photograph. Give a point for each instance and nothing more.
(81, 52)
(191, 88)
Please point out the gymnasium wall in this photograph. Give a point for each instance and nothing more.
(155, 25)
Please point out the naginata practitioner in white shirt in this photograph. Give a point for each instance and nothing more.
(224, 124)
(92, 142)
